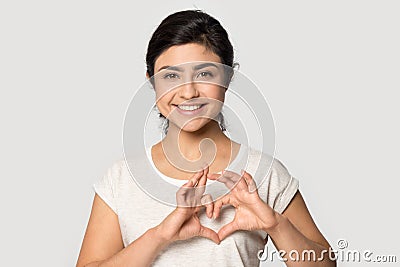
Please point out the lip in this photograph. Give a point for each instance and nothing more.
(190, 112)
(190, 104)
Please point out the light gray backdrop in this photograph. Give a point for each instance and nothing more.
(330, 71)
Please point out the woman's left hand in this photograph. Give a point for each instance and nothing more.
(252, 213)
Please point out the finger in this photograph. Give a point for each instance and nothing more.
(196, 177)
(210, 234)
(206, 200)
(227, 230)
(213, 176)
(182, 193)
(221, 178)
(184, 188)
(198, 190)
(197, 209)
(251, 184)
(219, 204)
(206, 170)
(203, 179)
(236, 179)
(188, 184)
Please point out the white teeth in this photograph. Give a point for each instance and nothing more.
(194, 107)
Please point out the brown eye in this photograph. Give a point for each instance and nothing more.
(204, 74)
(170, 76)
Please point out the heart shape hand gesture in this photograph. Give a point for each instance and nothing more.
(252, 213)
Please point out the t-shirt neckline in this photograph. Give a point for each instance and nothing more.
(179, 182)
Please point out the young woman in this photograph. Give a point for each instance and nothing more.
(129, 228)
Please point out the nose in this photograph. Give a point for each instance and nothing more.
(188, 91)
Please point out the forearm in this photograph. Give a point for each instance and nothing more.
(140, 252)
(287, 238)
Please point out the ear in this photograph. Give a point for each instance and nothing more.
(147, 75)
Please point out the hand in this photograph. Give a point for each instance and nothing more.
(183, 223)
(252, 213)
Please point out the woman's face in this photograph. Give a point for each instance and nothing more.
(188, 84)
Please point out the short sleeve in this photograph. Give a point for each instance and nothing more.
(105, 186)
(282, 186)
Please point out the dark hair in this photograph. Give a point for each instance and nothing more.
(189, 26)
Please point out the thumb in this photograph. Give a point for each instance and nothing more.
(226, 230)
(213, 176)
(210, 234)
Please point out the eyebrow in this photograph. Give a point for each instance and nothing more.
(170, 68)
(203, 65)
(197, 67)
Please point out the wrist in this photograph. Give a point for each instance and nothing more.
(158, 236)
(278, 220)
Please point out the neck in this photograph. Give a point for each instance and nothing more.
(189, 142)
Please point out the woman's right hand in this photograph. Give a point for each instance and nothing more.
(183, 223)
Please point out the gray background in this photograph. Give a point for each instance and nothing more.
(329, 70)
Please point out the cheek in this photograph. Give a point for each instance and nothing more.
(160, 103)
(214, 92)
(221, 95)
(163, 98)
(158, 94)
(218, 96)
(163, 102)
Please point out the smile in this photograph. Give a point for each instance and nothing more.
(192, 107)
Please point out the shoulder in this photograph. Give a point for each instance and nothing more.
(259, 160)
(115, 173)
(116, 168)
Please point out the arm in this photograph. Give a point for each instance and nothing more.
(102, 245)
(296, 230)
(292, 230)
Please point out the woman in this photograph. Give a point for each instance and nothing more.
(128, 228)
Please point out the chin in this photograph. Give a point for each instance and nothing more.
(194, 125)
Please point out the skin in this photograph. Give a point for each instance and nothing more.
(293, 229)
(196, 130)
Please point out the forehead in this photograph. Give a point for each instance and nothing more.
(180, 54)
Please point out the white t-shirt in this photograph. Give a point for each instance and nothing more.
(137, 212)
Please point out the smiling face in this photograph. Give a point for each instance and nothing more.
(188, 84)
